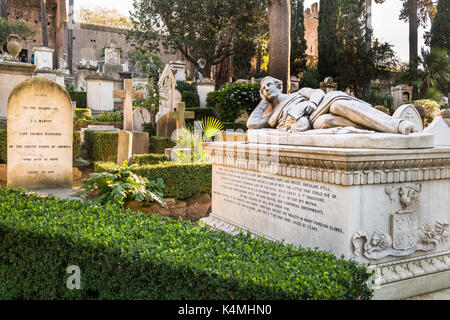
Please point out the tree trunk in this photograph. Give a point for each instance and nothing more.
(280, 41)
(368, 24)
(3, 10)
(44, 23)
(413, 25)
(70, 37)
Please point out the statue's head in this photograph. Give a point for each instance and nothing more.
(270, 88)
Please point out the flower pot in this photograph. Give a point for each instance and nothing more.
(14, 45)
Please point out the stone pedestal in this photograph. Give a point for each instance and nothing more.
(178, 69)
(100, 93)
(43, 58)
(11, 74)
(388, 208)
(203, 88)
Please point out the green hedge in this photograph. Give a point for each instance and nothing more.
(83, 113)
(201, 113)
(152, 158)
(76, 144)
(189, 94)
(3, 146)
(101, 145)
(159, 144)
(132, 256)
(80, 97)
(235, 125)
(181, 181)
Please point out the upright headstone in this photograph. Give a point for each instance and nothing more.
(40, 134)
(409, 112)
(112, 59)
(99, 92)
(178, 69)
(441, 130)
(169, 98)
(203, 88)
(129, 142)
(140, 116)
(43, 58)
(181, 114)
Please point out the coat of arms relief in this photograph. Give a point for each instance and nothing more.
(406, 234)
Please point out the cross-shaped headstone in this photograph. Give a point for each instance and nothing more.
(180, 114)
(128, 95)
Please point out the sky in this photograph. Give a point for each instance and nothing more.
(387, 27)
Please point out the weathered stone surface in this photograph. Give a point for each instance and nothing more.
(140, 142)
(3, 170)
(410, 113)
(140, 117)
(441, 130)
(40, 133)
(198, 207)
(76, 174)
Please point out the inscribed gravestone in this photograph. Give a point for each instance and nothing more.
(441, 131)
(410, 113)
(40, 133)
(169, 98)
(140, 116)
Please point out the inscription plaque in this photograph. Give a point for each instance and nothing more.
(40, 133)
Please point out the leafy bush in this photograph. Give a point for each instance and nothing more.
(76, 144)
(430, 108)
(181, 181)
(121, 187)
(152, 158)
(232, 99)
(3, 146)
(109, 117)
(101, 145)
(159, 144)
(83, 114)
(132, 256)
(189, 94)
(310, 78)
(376, 98)
(80, 97)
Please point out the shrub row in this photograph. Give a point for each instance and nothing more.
(152, 158)
(159, 144)
(131, 256)
(76, 146)
(181, 181)
(80, 97)
(101, 145)
(83, 113)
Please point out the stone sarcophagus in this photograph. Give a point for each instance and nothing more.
(385, 204)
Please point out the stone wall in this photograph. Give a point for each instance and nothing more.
(311, 24)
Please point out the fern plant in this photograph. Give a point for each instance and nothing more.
(121, 187)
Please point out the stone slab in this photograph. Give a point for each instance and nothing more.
(441, 131)
(352, 202)
(140, 142)
(344, 140)
(40, 134)
(410, 113)
(125, 146)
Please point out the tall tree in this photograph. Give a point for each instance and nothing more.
(280, 41)
(440, 29)
(368, 23)
(327, 39)
(44, 23)
(298, 42)
(413, 26)
(354, 66)
(199, 29)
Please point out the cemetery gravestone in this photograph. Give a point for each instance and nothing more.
(40, 134)
(169, 98)
(181, 114)
(409, 112)
(140, 116)
(441, 130)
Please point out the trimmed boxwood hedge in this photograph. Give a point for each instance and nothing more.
(3, 145)
(101, 145)
(152, 158)
(122, 255)
(159, 144)
(80, 97)
(181, 181)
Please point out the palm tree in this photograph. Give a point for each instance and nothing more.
(280, 41)
(435, 73)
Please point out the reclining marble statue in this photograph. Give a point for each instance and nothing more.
(309, 109)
